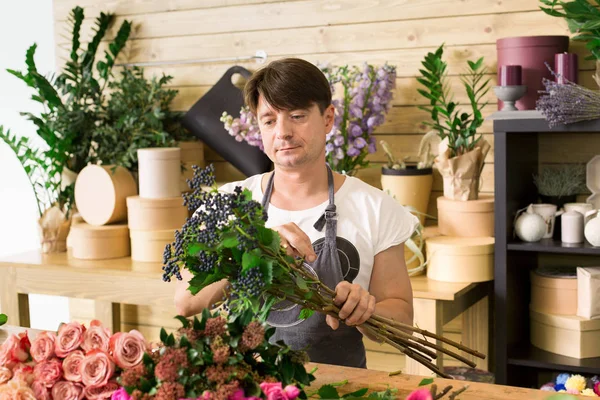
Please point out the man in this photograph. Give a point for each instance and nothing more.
(351, 234)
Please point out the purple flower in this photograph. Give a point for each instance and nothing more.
(352, 151)
(339, 154)
(355, 111)
(372, 144)
(329, 147)
(359, 143)
(355, 130)
(338, 141)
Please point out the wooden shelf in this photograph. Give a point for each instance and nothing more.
(554, 246)
(530, 356)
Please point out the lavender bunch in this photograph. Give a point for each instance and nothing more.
(243, 128)
(567, 103)
(367, 95)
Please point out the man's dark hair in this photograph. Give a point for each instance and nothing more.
(288, 84)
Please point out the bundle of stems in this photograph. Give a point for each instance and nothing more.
(408, 339)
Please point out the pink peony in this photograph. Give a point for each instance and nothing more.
(16, 390)
(48, 372)
(69, 338)
(42, 347)
(96, 369)
(14, 350)
(5, 375)
(40, 391)
(71, 366)
(274, 391)
(128, 349)
(101, 392)
(421, 394)
(96, 337)
(120, 394)
(65, 390)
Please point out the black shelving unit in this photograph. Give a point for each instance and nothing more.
(517, 362)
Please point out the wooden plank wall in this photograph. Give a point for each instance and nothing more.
(399, 32)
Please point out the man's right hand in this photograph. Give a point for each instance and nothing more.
(295, 241)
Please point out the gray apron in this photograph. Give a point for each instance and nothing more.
(343, 346)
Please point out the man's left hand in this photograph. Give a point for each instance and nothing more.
(355, 303)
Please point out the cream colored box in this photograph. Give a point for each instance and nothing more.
(553, 295)
(567, 335)
(588, 292)
(149, 246)
(472, 218)
(159, 172)
(460, 259)
(91, 242)
(156, 214)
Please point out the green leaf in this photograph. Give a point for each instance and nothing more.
(328, 392)
(266, 269)
(3, 319)
(163, 335)
(301, 283)
(358, 393)
(306, 313)
(229, 240)
(184, 342)
(250, 260)
(184, 321)
(147, 360)
(194, 249)
(426, 381)
(170, 340)
(192, 354)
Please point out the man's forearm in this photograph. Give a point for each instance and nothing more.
(189, 305)
(396, 309)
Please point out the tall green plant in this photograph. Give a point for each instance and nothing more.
(460, 128)
(583, 18)
(137, 115)
(72, 106)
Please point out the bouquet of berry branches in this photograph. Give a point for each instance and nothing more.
(226, 238)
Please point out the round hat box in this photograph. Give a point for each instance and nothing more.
(159, 172)
(149, 246)
(156, 214)
(101, 193)
(91, 242)
(470, 218)
(554, 290)
(460, 259)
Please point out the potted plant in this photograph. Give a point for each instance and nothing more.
(462, 149)
(560, 184)
(71, 111)
(365, 100)
(410, 182)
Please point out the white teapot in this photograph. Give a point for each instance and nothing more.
(530, 226)
(592, 227)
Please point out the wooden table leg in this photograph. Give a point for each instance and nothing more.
(24, 310)
(9, 299)
(475, 331)
(428, 316)
(109, 314)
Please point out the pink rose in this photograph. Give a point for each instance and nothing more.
(71, 366)
(120, 394)
(24, 372)
(101, 392)
(128, 348)
(96, 337)
(69, 338)
(206, 395)
(42, 347)
(16, 390)
(96, 369)
(421, 394)
(65, 390)
(14, 350)
(48, 372)
(5, 375)
(40, 391)
(274, 391)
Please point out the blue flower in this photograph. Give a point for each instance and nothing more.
(560, 387)
(562, 379)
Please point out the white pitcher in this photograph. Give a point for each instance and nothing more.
(549, 213)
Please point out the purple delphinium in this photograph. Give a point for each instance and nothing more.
(245, 127)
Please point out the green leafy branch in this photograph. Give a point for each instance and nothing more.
(583, 19)
(3, 319)
(459, 128)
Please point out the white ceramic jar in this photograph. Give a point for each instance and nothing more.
(159, 172)
(572, 227)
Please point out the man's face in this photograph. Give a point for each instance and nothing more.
(293, 138)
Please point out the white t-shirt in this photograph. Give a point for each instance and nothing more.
(369, 221)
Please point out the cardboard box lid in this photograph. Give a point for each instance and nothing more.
(83, 229)
(138, 202)
(569, 322)
(555, 277)
(454, 245)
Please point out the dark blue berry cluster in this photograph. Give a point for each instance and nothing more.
(202, 177)
(249, 283)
